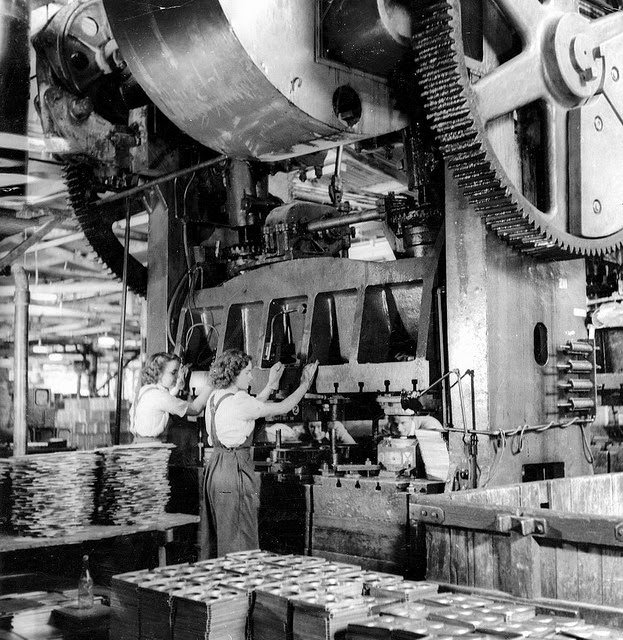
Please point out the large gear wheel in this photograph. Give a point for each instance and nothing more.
(97, 225)
(546, 64)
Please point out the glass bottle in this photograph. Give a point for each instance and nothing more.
(85, 586)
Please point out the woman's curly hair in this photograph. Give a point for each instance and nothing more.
(227, 366)
(154, 366)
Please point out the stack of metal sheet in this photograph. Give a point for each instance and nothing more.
(429, 630)
(124, 606)
(392, 628)
(406, 591)
(376, 604)
(320, 615)
(154, 597)
(52, 493)
(210, 612)
(134, 483)
(293, 562)
(339, 570)
(411, 610)
(272, 615)
(5, 492)
(274, 601)
(543, 626)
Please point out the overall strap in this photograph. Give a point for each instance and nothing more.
(213, 408)
(139, 395)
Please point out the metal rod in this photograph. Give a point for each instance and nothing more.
(17, 252)
(473, 436)
(338, 160)
(342, 221)
(519, 430)
(20, 357)
(113, 375)
(442, 357)
(128, 193)
(124, 298)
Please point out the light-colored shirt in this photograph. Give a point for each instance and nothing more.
(235, 417)
(150, 413)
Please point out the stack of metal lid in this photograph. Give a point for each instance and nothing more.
(318, 615)
(411, 610)
(154, 601)
(388, 628)
(543, 626)
(124, 605)
(134, 483)
(210, 612)
(52, 493)
(272, 615)
(406, 591)
(378, 603)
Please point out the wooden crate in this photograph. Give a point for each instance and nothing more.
(556, 539)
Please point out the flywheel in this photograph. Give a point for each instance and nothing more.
(97, 225)
(526, 100)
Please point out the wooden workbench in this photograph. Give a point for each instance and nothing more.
(112, 549)
(164, 525)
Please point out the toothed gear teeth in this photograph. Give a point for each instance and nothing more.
(446, 90)
(81, 190)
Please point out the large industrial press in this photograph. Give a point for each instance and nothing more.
(462, 361)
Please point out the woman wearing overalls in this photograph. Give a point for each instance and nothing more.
(230, 484)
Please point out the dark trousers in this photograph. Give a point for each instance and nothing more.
(231, 495)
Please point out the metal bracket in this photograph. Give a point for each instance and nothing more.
(524, 525)
(425, 513)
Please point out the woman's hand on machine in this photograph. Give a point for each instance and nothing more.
(309, 371)
(274, 375)
(182, 374)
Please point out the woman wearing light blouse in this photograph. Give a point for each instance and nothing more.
(162, 378)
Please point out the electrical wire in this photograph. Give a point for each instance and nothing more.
(496, 462)
(193, 327)
(185, 224)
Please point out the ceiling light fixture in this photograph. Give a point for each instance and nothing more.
(106, 342)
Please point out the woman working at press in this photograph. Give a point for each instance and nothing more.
(162, 378)
(230, 484)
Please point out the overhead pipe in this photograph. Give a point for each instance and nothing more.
(20, 359)
(342, 221)
(93, 287)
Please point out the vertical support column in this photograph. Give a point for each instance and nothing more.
(165, 267)
(467, 316)
(495, 298)
(20, 357)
